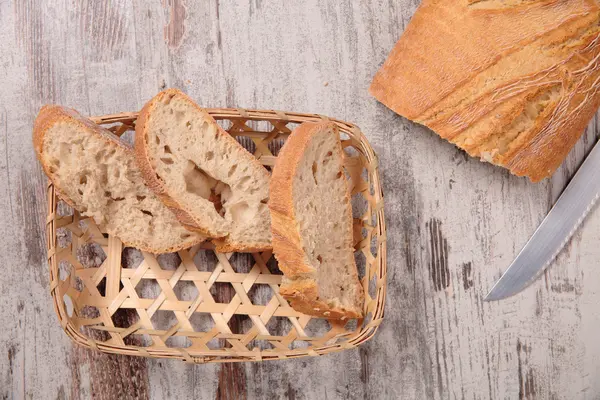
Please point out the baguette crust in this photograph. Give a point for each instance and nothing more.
(145, 163)
(298, 287)
(50, 115)
(514, 83)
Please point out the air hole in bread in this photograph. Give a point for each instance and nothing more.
(167, 149)
(83, 180)
(166, 160)
(244, 180)
(188, 125)
(219, 196)
(241, 212)
(199, 183)
(167, 99)
(157, 139)
(65, 149)
(314, 172)
(180, 115)
(210, 155)
(319, 259)
(100, 155)
(339, 175)
(140, 198)
(232, 170)
(265, 201)
(80, 192)
(53, 166)
(185, 235)
(109, 195)
(147, 212)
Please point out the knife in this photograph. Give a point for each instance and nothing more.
(554, 232)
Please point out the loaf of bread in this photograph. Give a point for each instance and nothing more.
(95, 173)
(213, 185)
(312, 225)
(513, 82)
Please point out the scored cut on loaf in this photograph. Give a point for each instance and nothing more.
(511, 82)
(212, 184)
(312, 224)
(95, 173)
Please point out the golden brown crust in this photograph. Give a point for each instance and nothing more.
(48, 116)
(223, 244)
(300, 290)
(514, 83)
(303, 296)
(287, 244)
(226, 246)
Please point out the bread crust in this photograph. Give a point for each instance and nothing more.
(303, 295)
(48, 116)
(298, 288)
(471, 80)
(144, 161)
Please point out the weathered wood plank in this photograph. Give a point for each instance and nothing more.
(454, 223)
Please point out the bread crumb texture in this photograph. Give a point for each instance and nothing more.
(98, 175)
(319, 222)
(222, 189)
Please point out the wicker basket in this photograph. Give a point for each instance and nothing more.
(199, 305)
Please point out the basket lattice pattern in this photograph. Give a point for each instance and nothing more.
(199, 305)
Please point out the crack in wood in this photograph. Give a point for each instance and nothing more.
(466, 275)
(527, 385)
(438, 263)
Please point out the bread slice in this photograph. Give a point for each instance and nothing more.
(204, 175)
(96, 173)
(312, 224)
(512, 82)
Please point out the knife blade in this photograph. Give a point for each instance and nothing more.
(554, 232)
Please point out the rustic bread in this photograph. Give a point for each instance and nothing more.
(512, 82)
(96, 173)
(312, 224)
(204, 175)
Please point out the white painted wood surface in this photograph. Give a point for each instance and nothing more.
(454, 223)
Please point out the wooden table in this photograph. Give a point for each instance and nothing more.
(454, 223)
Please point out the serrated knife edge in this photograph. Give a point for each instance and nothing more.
(518, 276)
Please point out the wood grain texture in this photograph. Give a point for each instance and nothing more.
(454, 223)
